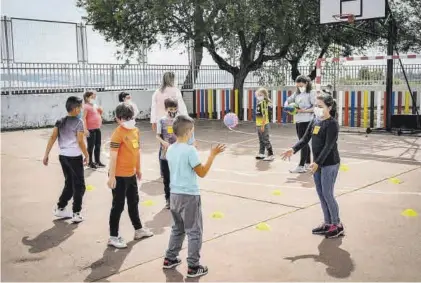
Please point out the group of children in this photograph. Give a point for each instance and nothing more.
(180, 164)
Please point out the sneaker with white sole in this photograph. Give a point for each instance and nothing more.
(269, 158)
(307, 166)
(142, 233)
(117, 242)
(299, 169)
(77, 217)
(171, 263)
(260, 156)
(62, 213)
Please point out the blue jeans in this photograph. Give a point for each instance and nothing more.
(325, 179)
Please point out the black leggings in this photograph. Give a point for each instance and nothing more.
(305, 151)
(94, 145)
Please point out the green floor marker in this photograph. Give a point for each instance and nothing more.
(344, 168)
(90, 188)
(263, 226)
(148, 203)
(395, 181)
(409, 213)
(276, 193)
(217, 215)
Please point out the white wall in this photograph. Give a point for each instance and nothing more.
(41, 110)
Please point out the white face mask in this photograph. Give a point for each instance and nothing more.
(131, 124)
(318, 112)
(302, 89)
(260, 97)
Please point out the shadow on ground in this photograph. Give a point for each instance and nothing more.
(338, 261)
(53, 237)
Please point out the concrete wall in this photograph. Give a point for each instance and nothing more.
(42, 110)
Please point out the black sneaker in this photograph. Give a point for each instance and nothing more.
(93, 166)
(321, 230)
(100, 165)
(334, 231)
(171, 263)
(197, 271)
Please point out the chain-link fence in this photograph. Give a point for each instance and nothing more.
(50, 56)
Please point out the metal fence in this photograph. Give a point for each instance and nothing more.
(50, 56)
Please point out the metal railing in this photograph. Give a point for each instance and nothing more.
(21, 78)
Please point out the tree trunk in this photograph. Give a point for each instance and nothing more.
(192, 74)
(239, 79)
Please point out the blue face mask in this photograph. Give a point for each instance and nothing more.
(79, 115)
(191, 140)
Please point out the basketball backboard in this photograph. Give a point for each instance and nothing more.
(361, 9)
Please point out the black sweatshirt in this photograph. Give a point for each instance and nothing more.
(324, 137)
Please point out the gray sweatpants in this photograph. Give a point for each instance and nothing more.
(186, 212)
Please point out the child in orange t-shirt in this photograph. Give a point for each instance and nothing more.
(123, 175)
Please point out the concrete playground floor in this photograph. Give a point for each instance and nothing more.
(380, 243)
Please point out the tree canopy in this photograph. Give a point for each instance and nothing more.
(262, 30)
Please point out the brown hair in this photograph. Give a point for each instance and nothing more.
(87, 95)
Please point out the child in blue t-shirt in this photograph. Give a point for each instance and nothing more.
(185, 166)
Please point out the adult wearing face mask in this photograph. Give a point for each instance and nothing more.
(127, 98)
(305, 98)
(168, 89)
(93, 122)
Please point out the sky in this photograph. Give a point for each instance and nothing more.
(54, 42)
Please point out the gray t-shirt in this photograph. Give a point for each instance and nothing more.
(165, 129)
(304, 101)
(68, 127)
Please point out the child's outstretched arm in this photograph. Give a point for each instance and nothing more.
(50, 144)
(201, 170)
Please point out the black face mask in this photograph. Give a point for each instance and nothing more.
(172, 114)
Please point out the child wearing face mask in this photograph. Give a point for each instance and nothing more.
(93, 122)
(70, 134)
(127, 98)
(124, 172)
(305, 98)
(323, 132)
(165, 135)
(262, 125)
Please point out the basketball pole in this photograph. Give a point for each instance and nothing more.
(392, 34)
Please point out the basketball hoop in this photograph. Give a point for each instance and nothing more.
(350, 18)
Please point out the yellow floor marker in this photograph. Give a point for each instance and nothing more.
(395, 181)
(276, 193)
(148, 203)
(90, 188)
(217, 215)
(263, 226)
(344, 168)
(409, 213)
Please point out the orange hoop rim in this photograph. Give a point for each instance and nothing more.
(350, 18)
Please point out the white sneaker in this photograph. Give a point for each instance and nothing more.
(299, 169)
(269, 158)
(77, 217)
(142, 233)
(117, 242)
(62, 213)
(307, 166)
(260, 156)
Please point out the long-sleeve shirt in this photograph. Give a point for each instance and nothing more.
(158, 98)
(324, 138)
(304, 101)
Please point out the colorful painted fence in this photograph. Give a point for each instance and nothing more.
(356, 108)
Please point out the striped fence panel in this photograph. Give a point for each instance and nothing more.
(356, 107)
